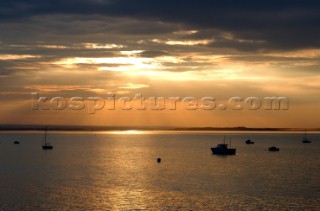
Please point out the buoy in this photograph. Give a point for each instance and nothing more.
(159, 160)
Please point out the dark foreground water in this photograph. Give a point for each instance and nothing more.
(118, 171)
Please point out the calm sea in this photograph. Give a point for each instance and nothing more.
(119, 171)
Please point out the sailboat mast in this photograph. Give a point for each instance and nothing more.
(44, 140)
(305, 133)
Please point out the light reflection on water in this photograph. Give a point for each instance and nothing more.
(118, 171)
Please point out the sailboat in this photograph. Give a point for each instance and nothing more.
(305, 140)
(46, 145)
(222, 149)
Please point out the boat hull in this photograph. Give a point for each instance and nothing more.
(47, 147)
(218, 151)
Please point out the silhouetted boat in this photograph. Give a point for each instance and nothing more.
(222, 149)
(249, 141)
(305, 139)
(16, 142)
(46, 145)
(273, 149)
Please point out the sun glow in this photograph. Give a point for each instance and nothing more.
(113, 63)
(186, 67)
(129, 132)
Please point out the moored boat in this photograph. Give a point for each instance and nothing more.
(222, 149)
(249, 141)
(305, 139)
(46, 145)
(273, 149)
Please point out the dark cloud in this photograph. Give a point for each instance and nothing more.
(239, 45)
(281, 24)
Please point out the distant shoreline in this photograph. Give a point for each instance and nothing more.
(109, 128)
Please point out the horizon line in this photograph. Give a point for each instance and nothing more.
(169, 128)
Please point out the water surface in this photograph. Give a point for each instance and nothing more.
(118, 171)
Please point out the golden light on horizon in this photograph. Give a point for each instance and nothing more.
(128, 132)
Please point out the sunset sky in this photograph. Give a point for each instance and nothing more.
(217, 49)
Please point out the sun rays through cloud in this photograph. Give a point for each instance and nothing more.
(220, 50)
